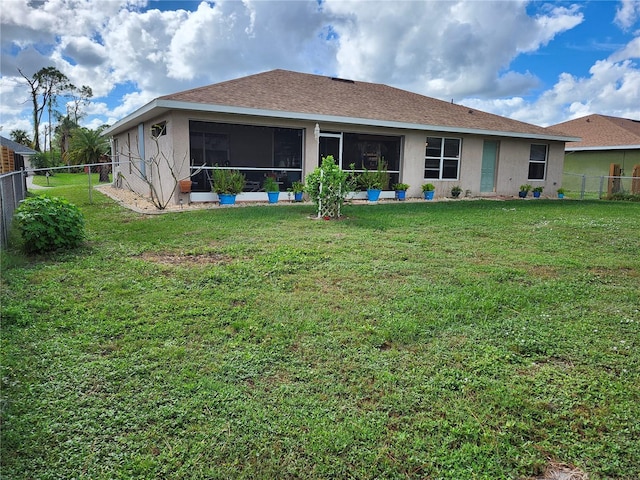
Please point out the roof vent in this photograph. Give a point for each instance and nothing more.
(344, 80)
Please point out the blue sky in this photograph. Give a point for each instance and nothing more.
(539, 62)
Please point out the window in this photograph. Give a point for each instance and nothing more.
(537, 162)
(159, 129)
(442, 158)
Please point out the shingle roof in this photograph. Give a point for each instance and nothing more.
(292, 92)
(16, 147)
(601, 131)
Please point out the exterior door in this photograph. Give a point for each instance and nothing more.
(489, 162)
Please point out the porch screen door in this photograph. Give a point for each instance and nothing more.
(330, 144)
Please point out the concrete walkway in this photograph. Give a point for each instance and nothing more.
(31, 185)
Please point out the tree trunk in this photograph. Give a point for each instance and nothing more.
(104, 169)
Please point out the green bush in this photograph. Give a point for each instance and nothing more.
(43, 160)
(49, 223)
(627, 197)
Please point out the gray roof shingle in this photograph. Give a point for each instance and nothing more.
(16, 147)
(601, 131)
(286, 91)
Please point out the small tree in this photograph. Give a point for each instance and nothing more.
(327, 187)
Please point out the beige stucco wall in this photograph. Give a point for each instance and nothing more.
(511, 171)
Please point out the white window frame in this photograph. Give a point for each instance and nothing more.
(538, 162)
(442, 159)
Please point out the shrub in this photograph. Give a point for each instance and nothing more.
(49, 223)
(227, 181)
(628, 197)
(43, 160)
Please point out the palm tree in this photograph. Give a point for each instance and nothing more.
(21, 137)
(88, 147)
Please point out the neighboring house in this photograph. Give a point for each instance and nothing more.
(280, 123)
(14, 156)
(605, 141)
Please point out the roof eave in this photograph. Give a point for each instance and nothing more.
(163, 105)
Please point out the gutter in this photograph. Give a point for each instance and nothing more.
(601, 148)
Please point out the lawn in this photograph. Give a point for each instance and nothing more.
(426, 340)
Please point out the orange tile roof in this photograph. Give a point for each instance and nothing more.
(292, 92)
(601, 131)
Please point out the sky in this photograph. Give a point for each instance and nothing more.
(541, 62)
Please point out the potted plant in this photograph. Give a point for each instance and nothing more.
(272, 188)
(561, 193)
(537, 191)
(401, 190)
(227, 184)
(374, 181)
(456, 191)
(297, 188)
(524, 190)
(429, 190)
(185, 185)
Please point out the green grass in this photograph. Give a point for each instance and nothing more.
(470, 339)
(61, 179)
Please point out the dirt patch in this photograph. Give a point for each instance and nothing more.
(561, 471)
(177, 259)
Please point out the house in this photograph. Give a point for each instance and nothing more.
(14, 156)
(280, 123)
(605, 141)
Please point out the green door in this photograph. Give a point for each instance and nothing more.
(488, 172)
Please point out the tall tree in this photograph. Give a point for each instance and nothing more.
(20, 136)
(46, 84)
(88, 146)
(63, 132)
(80, 97)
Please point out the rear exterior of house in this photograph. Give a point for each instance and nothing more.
(281, 124)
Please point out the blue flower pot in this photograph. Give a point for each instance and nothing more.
(536, 194)
(561, 195)
(227, 198)
(522, 194)
(428, 195)
(401, 194)
(298, 196)
(273, 197)
(373, 195)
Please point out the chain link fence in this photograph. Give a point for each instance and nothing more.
(592, 187)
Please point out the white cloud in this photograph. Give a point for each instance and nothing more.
(447, 49)
(612, 88)
(627, 14)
